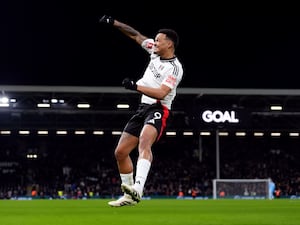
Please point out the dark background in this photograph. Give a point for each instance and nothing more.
(222, 46)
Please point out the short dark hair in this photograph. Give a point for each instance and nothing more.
(171, 34)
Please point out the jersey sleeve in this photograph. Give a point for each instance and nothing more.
(171, 80)
(148, 45)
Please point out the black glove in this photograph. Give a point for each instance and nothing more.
(107, 19)
(129, 84)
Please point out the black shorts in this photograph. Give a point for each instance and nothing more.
(155, 115)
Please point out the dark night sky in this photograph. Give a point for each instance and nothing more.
(46, 42)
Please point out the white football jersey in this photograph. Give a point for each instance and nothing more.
(160, 71)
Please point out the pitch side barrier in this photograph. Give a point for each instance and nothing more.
(22, 198)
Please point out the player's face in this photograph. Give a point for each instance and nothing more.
(161, 44)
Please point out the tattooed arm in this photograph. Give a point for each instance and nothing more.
(129, 31)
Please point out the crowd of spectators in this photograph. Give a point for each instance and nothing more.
(179, 167)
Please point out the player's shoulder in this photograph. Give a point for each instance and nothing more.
(178, 63)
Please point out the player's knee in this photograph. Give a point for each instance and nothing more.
(144, 147)
(120, 154)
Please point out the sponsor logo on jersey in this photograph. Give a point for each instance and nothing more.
(154, 71)
(171, 80)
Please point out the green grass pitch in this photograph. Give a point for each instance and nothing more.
(151, 212)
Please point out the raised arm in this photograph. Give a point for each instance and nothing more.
(124, 28)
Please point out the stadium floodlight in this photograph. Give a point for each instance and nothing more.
(4, 101)
(241, 188)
